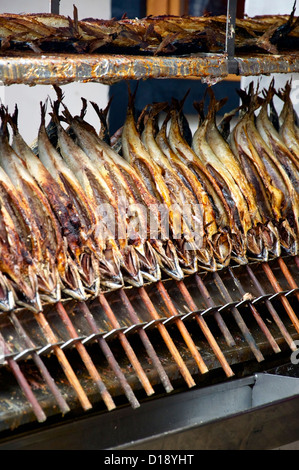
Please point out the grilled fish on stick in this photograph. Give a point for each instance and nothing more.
(224, 216)
(181, 196)
(136, 154)
(76, 255)
(103, 158)
(105, 262)
(226, 170)
(260, 169)
(16, 261)
(99, 195)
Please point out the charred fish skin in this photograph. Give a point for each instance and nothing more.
(135, 153)
(65, 216)
(224, 216)
(190, 212)
(107, 269)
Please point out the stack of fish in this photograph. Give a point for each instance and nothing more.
(84, 212)
(158, 35)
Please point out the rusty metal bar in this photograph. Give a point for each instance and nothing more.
(40, 365)
(288, 276)
(147, 344)
(85, 357)
(272, 311)
(167, 339)
(24, 385)
(127, 347)
(70, 374)
(109, 355)
(205, 329)
(182, 328)
(276, 286)
(238, 319)
(256, 315)
(210, 303)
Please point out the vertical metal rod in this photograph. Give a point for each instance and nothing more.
(288, 276)
(205, 329)
(54, 6)
(283, 299)
(239, 320)
(24, 385)
(40, 365)
(109, 355)
(70, 374)
(147, 344)
(127, 347)
(182, 328)
(210, 303)
(272, 311)
(85, 357)
(167, 339)
(256, 315)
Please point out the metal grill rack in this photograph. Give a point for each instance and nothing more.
(132, 345)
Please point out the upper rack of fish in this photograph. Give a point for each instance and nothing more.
(53, 49)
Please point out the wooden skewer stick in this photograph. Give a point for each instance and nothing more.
(166, 337)
(86, 358)
(182, 328)
(127, 347)
(205, 329)
(70, 374)
(276, 286)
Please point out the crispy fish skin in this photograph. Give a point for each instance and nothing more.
(16, 262)
(107, 270)
(136, 154)
(39, 228)
(262, 237)
(288, 130)
(98, 191)
(100, 154)
(164, 251)
(72, 233)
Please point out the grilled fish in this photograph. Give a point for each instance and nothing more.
(261, 236)
(257, 160)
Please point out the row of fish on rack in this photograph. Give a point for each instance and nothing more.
(83, 211)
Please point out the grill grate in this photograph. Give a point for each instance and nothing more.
(187, 329)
